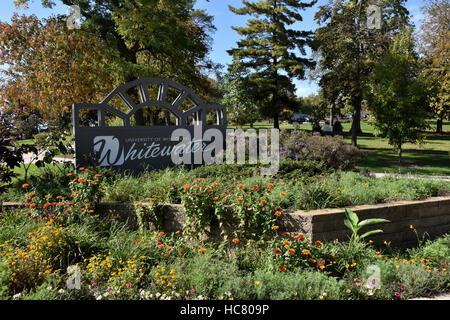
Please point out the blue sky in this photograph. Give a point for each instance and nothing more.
(225, 38)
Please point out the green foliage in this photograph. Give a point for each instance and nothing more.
(352, 222)
(238, 97)
(5, 276)
(150, 212)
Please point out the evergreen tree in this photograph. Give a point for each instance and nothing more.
(268, 50)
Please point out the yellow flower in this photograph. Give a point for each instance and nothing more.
(256, 282)
(321, 298)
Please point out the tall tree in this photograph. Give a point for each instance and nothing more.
(268, 50)
(237, 94)
(398, 94)
(48, 67)
(436, 50)
(164, 38)
(349, 49)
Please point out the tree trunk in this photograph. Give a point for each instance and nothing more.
(400, 155)
(439, 125)
(276, 122)
(356, 123)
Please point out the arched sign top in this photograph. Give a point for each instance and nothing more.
(144, 98)
(165, 104)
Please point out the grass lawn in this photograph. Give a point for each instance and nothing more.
(430, 158)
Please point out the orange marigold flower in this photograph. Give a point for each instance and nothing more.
(210, 190)
(306, 251)
(312, 260)
(263, 202)
(291, 251)
(150, 199)
(168, 248)
(255, 188)
(61, 204)
(69, 174)
(320, 266)
(81, 169)
(31, 195)
(46, 205)
(318, 244)
(235, 240)
(299, 237)
(67, 211)
(286, 234)
(214, 184)
(91, 211)
(59, 197)
(239, 199)
(282, 194)
(275, 227)
(160, 234)
(270, 185)
(181, 250)
(216, 198)
(27, 204)
(277, 251)
(286, 243)
(86, 170)
(278, 213)
(282, 269)
(25, 185)
(186, 186)
(33, 205)
(97, 176)
(202, 251)
(201, 179)
(240, 186)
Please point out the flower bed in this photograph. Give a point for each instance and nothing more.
(63, 247)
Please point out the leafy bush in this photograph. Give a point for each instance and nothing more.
(333, 151)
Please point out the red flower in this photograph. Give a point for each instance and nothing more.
(282, 269)
(263, 202)
(277, 251)
(25, 185)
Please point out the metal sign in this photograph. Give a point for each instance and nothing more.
(131, 129)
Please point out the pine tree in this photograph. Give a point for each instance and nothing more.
(268, 50)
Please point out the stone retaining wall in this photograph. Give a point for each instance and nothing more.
(430, 216)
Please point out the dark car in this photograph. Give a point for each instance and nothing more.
(300, 118)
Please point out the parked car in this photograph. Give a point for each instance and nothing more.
(348, 116)
(300, 118)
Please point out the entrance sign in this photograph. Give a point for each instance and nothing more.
(131, 129)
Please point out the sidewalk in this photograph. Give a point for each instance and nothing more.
(29, 157)
(380, 175)
(445, 296)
